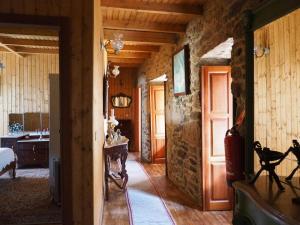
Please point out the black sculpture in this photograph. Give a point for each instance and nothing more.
(268, 160)
(296, 151)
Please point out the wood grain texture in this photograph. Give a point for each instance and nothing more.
(25, 84)
(276, 85)
(181, 207)
(142, 26)
(80, 64)
(124, 83)
(153, 7)
(143, 36)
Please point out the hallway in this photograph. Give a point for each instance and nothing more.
(182, 209)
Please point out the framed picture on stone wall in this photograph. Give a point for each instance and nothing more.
(181, 71)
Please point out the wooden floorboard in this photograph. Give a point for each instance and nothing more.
(182, 208)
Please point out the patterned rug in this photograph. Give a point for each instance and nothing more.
(26, 200)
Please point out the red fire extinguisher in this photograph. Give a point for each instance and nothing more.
(234, 153)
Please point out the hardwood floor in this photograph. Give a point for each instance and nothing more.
(183, 210)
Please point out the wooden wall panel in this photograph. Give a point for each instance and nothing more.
(125, 83)
(277, 87)
(78, 75)
(24, 85)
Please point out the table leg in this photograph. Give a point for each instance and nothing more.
(124, 174)
(106, 177)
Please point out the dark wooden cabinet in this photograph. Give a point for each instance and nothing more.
(11, 141)
(264, 204)
(30, 150)
(125, 127)
(33, 153)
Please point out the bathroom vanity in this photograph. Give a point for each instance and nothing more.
(31, 149)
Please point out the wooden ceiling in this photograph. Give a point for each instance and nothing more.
(145, 25)
(149, 23)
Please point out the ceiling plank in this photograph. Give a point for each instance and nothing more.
(137, 48)
(28, 30)
(28, 42)
(10, 49)
(24, 50)
(152, 7)
(141, 26)
(126, 65)
(142, 36)
(122, 54)
(36, 50)
(126, 60)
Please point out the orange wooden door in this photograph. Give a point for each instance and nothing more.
(216, 119)
(157, 107)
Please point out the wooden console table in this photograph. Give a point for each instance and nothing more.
(264, 204)
(116, 152)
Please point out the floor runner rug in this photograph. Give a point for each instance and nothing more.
(144, 203)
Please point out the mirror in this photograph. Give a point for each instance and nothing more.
(121, 101)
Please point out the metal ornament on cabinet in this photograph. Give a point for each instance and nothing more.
(296, 151)
(268, 160)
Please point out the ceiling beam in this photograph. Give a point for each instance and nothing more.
(152, 7)
(126, 60)
(137, 48)
(28, 42)
(133, 55)
(36, 50)
(141, 26)
(126, 65)
(28, 30)
(24, 50)
(10, 49)
(142, 36)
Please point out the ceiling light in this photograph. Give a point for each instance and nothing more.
(117, 43)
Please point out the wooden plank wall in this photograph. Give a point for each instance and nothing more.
(277, 87)
(125, 83)
(24, 84)
(83, 202)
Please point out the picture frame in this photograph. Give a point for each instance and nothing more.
(121, 100)
(181, 71)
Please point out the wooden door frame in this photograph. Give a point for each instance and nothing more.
(254, 20)
(166, 138)
(64, 26)
(150, 86)
(204, 153)
(138, 122)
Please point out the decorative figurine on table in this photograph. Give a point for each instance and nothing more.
(296, 151)
(268, 160)
(111, 124)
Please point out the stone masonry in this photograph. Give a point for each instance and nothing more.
(221, 20)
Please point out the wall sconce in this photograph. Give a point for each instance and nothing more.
(114, 72)
(261, 51)
(117, 43)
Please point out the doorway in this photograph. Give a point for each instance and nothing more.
(33, 194)
(217, 118)
(157, 122)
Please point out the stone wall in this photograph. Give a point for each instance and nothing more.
(156, 66)
(222, 19)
